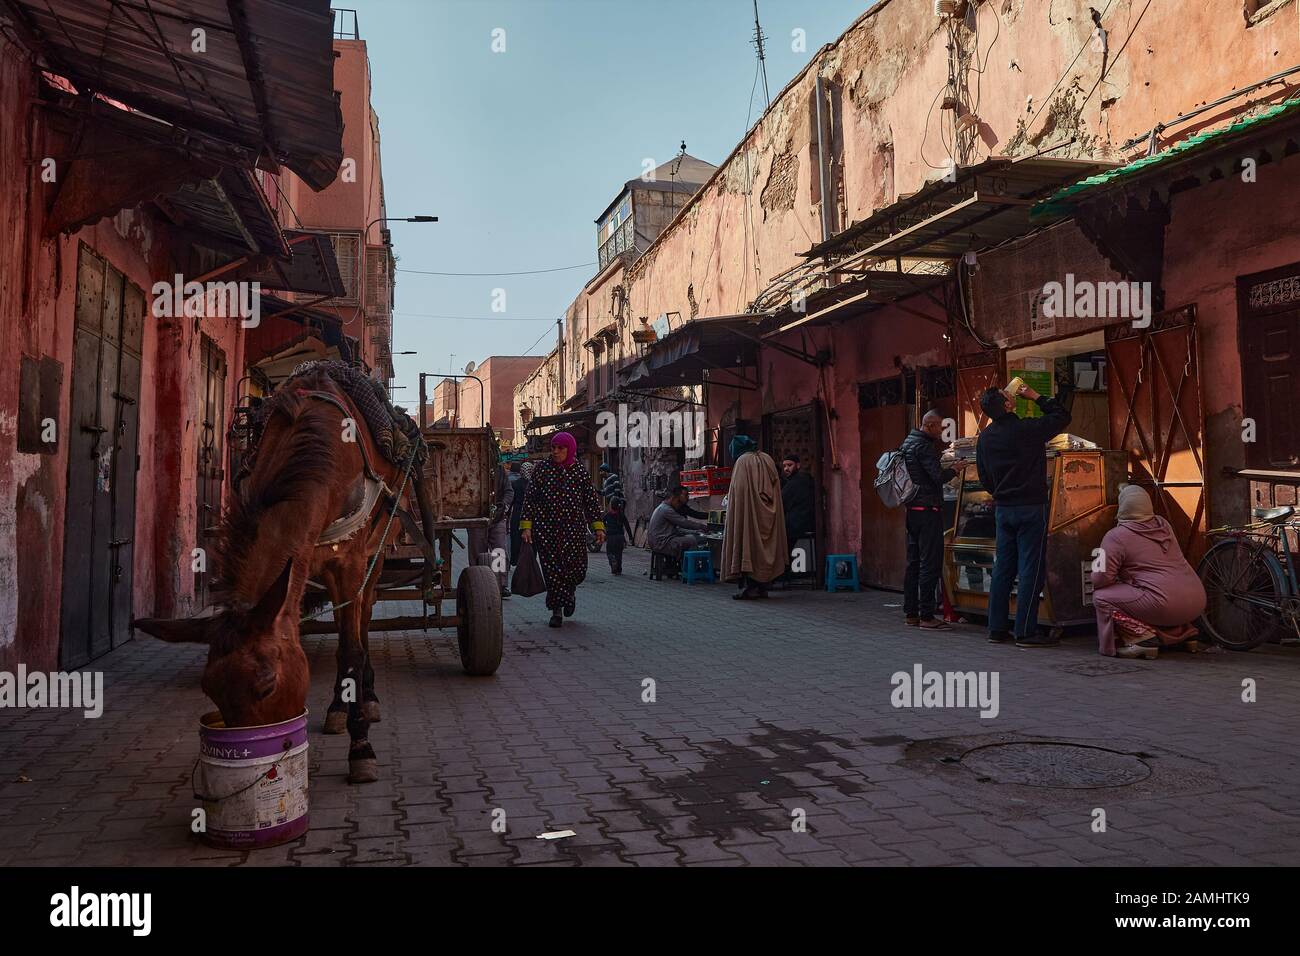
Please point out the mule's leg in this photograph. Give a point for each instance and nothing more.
(336, 717)
(362, 764)
(369, 699)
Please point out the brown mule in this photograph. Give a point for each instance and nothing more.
(307, 474)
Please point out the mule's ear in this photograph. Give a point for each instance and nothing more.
(261, 617)
(180, 630)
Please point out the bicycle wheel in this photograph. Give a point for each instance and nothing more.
(1244, 589)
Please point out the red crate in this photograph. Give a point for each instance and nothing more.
(711, 480)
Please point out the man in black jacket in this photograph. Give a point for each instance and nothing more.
(797, 499)
(924, 522)
(1012, 466)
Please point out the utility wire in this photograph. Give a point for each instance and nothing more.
(539, 338)
(475, 318)
(528, 272)
(1111, 65)
(1048, 98)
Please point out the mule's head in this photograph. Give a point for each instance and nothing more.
(257, 672)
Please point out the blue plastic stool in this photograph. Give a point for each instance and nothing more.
(848, 579)
(697, 566)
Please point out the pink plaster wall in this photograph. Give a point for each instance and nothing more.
(37, 302)
(757, 213)
(865, 350)
(499, 375)
(1254, 230)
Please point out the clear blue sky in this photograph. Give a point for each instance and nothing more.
(517, 152)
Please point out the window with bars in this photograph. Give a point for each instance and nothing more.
(347, 250)
(377, 281)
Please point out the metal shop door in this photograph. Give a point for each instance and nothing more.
(976, 374)
(885, 414)
(98, 552)
(1154, 392)
(211, 458)
(798, 431)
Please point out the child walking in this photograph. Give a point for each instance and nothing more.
(615, 526)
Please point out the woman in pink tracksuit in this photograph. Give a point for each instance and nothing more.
(1144, 576)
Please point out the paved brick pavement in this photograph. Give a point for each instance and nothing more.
(764, 713)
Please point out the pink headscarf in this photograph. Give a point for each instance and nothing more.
(570, 444)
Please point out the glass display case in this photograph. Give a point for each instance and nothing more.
(1083, 489)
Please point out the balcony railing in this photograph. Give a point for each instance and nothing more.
(345, 24)
(623, 240)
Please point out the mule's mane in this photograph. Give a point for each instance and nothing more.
(293, 464)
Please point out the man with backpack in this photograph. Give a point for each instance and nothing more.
(920, 455)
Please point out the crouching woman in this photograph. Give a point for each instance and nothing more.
(1146, 595)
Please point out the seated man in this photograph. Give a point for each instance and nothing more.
(670, 531)
(1146, 594)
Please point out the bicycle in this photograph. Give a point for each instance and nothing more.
(1252, 581)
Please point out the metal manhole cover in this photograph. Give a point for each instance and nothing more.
(1060, 765)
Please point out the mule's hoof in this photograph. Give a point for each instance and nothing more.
(370, 711)
(336, 721)
(365, 770)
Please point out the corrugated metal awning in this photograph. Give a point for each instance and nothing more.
(981, 206)
(580, 417)
(1182, 160)
(228, 212)
(263, 78)
(312, 269)
(725, 343)
(868, 290)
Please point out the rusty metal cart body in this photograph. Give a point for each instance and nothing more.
(460, 483)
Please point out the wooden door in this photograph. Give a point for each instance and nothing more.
(1269, 324)
(798, 431)
(975, 374)
(103, 459)
(1154, 391)
(211, 456)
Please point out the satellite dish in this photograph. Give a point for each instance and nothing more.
(469, 367)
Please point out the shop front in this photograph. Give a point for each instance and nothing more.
(904, 273)
(1131, 381)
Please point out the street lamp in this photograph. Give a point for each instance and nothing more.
(400, 219)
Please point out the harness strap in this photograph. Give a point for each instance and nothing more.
(343, 528)
(417, 535)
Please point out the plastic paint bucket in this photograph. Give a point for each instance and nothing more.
(252, 781)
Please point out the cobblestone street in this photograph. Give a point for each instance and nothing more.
(761, 710)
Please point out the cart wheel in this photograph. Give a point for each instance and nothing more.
(479, 628)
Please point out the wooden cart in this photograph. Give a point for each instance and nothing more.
(460, 480)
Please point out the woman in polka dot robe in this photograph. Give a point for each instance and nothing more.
(559, 504)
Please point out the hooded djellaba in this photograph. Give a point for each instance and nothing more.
(559, 504)
(754, 546)
(1144, 576)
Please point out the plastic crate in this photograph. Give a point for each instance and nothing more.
(702, 482)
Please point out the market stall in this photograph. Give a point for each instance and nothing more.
(1083, 485)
